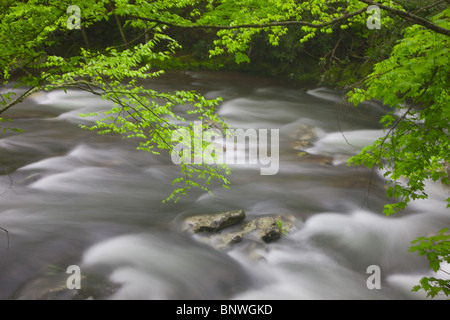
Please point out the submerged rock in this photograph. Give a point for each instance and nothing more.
(302, 137)
(51, 283)
(322, 160)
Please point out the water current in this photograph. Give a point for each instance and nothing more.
(72, 197)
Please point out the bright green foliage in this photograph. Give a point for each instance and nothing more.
(281, 227)
(8, 128)
(437, 251)
(113, 74)
(270, 15)
(22, 42)
(415, 82)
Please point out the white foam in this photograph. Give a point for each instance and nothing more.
(325, 94)
(74, 103)
(148, 266)
(60, 99)
(347, 142)
(55, 163)
(405, 282)
(252, 113)
(80, 180)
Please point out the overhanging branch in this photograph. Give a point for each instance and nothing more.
(36, 89)
(256, 25)
(411, 17)
(403, 14)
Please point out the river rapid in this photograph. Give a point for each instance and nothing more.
(72, 197)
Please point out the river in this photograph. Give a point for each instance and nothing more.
(72, 197)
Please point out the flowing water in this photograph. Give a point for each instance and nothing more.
(72, 197)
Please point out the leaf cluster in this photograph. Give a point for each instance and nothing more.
(114, 74)
(437, 251)
(414, 82)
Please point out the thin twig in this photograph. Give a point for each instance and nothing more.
(10, 183)
(7, 236)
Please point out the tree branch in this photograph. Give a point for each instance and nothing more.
(411, 17)
(261, 25)
(430, 6)
(20, 99)
(33, 90)
(403, 14)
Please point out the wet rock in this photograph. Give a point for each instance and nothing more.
(301, 145)
(268, 229)
(213, 222)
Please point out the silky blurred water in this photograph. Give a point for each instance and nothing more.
(72, 197)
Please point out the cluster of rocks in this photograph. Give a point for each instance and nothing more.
(222, 230)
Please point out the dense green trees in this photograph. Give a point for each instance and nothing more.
(43, 49)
